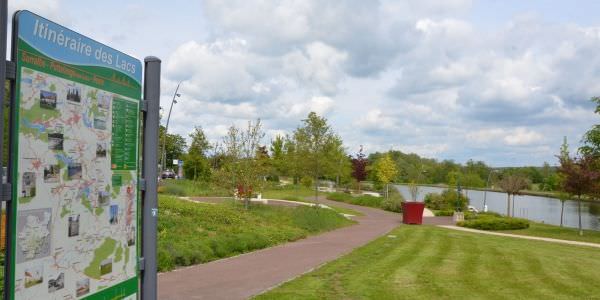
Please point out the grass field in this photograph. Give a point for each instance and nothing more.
(191, 233)
(557, 232)
(426, 262)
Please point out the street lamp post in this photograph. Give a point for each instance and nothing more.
(164, 154)
(487, 184)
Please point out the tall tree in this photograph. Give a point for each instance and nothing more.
(196, 164)
(512, 185)
(359, 166)
(385, 170)
(313, 142)
(175, 146)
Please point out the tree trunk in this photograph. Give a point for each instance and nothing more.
(508, 205)
(316, 190)
(513, 206)
(562, 210)
(387, 191)
(579, 214)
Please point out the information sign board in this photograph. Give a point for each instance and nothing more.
(75, 155)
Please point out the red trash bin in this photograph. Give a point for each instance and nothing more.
(412, 212)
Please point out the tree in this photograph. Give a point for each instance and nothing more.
(591, 139)
(512, 185)
(314, 142)
(359, 166)
(196, 164)
(245, 164)
(385, 170)
(175, 146)
(580, 177)
(277, 150)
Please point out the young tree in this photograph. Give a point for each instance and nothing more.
(359, 166)
(385, 170)
(580, 177)
(313, 142)
(196, 163)
(245, 163)
(278, 155)
(512, 185)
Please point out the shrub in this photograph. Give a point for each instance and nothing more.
(495, 223)
(306, 182)
(444, 213)
(445, 201)
(391, 204)
(469, 215)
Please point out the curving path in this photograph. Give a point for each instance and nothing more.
(249, 274)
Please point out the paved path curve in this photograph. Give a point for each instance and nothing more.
(249, 274)
(526, 237)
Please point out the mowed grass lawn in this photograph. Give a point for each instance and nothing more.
(556, 232)
(427, 262)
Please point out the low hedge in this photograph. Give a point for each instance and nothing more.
(495, 223)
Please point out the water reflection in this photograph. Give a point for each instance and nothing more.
(536, 208)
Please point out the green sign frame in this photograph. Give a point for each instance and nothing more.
(75, 145)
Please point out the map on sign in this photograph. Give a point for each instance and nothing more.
(75, 175)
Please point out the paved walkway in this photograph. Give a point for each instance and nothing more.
(526, 237)
(246, 275)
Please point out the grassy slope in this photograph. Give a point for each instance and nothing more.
(425, 262)
(191, 233)
(557, 232)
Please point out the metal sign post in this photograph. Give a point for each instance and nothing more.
(150, 175)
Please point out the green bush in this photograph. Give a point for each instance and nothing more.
(444, 213)
(392, 204)
(495, 223)
(445, 201)
(469, 215)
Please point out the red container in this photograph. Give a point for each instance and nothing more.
(412, 212)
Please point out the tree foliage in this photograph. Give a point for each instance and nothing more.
(245, 163)
(591, 139)
(196, 164)
(359, 166)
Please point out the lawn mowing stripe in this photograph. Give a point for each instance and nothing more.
(545, 280)
(404, 248)
(470, 268)
(429, 270)
(409, 263)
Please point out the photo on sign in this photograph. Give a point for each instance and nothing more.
(73, 225)
(34, 234)
(101, 149)
(55, 141)
(131, 236)
(82, 286)
(74, 171)
(106, 266)
(56, 284)
(104, 101)
(74, 94)
(47, 100)
(99, 123)
(103, 198)
(114, 214)
(51, 173)
(34, 275)
(28, 185)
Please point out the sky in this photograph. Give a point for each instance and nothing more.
(498, 81)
